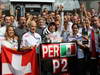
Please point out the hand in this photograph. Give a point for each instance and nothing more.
(86, 46)
(31, 47)
(78, 42)
(35, 46)
(85, 37)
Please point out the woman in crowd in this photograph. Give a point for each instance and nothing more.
(51, 34)
(76, 37)
(11, 40)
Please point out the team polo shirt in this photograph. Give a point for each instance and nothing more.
(31, 39)
(13, 44)
(54, 37)
(1, 39)
(2, 31)
(71, 37)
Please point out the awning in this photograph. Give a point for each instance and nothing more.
(32, 1)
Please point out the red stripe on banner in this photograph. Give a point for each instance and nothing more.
(93, 54)
(28, 74)
(28, 57)
(73, 49)
(35, 66)
(6, 55)
(7, 74)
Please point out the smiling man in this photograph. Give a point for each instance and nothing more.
(31, 38)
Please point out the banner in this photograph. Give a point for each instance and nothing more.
(55, 56)
(19, 63)
(58, 50)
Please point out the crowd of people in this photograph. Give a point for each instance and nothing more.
(81, 27)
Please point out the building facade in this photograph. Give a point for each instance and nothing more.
(36, 6)
(32, 6)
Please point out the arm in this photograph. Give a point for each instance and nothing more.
(26, 48)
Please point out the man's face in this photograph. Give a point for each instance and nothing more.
(75, 19)
(22, 21)
(96, 21)
(57, 24)
(8, 20)
(41, 23)
(33, 27)
(57, 17)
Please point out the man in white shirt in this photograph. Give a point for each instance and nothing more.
(31, 38)
(7, 21)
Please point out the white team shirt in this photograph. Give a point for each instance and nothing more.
(2, 31)
(71, 37)
(30, 39)
(13, 44)
(54, 37)
(1, 39)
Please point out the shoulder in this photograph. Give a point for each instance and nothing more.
(79, 34)
(71, 34)
(27, 34)
(4, 42)
(46, 31)
(91, 27)
(16, 37)
(17, 28)
(70, 23)
(37, 35)
(3, 28)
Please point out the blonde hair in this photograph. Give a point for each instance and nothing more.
(6, 33)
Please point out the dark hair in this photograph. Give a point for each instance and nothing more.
(52, 24)
(94, 16)
(74, 25)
